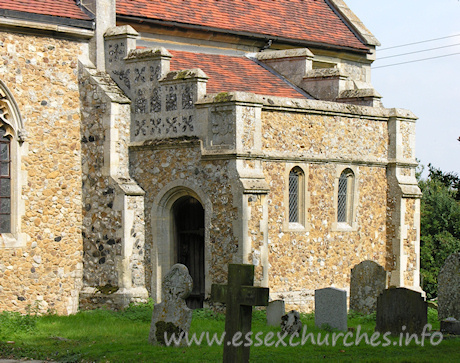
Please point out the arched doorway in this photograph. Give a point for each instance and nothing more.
(188, 234)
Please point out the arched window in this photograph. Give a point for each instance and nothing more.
(345, 197)
(295, 192)
(5, 182)
(12, 140)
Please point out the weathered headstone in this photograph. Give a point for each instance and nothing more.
(331, 308)
(449, 288)
(450, 326)
(172, 315)
(239, 296)
(398, 307)
(275, 310)
(290, 323)
(367, 281)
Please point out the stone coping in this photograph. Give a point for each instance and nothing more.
(283, 54)
(305, 105)
(33, 26)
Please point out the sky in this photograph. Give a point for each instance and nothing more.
(429, 88)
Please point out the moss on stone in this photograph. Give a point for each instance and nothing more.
(168, 328)
(182, 75)
(107, 289)
(223, 97)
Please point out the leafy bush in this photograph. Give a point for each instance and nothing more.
(439, 224)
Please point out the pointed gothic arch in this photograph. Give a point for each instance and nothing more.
(12, 138)
(165, 242)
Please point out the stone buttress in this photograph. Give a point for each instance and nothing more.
(113, 213)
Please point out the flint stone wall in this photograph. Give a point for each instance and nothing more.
(41, 73)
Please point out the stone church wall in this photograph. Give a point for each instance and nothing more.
(159, 169)
(320, 254)
(45, 271)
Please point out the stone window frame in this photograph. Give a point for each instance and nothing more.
(302, 224)
(11, 121)
(5, 178)
(352, 197)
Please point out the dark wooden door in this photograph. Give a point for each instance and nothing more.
(188, 218)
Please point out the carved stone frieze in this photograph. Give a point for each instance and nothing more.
(139, 74)
(140, 128)
(124, 77)
(187, 97)
(140, 104)
(116, 52)
(155, 100)
(155, 73)
(171, 99)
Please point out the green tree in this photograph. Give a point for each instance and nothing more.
(439, 224)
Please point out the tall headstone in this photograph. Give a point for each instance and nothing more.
(172, 315)
(401, 307)
(239, 296)
(331, 308)
(368, 280)
(275, 310)
(449, 288)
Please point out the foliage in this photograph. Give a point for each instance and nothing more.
(432, 316)
(362, 317)
(138, 311)
(440, 224)
(208, 314)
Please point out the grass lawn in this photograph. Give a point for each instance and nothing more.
(106, 336)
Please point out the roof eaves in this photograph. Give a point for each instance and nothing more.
(48, 19)
(260, 36)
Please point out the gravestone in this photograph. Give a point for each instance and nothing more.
(367, 281)
(449, 288)
(398, 307)
(275, 310)
(290, 323)
(331, 308)
(239, 296)
(450, 326)
(172, 315)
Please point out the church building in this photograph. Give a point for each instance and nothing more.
(136, 134)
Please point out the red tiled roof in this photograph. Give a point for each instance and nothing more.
(307, 20)
(228, 73)
(61, 8)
